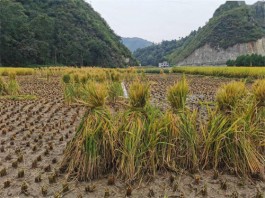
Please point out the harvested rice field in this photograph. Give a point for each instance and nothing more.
(202, 88)
(71, 133)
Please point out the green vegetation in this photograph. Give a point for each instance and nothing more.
(227, 28)
(232, 23)
(230, 137)
(115, 91)
(238, 72)
(3, 88)
(228, 6)
(11, 87)
(79, 84)
(66, 78)
(155, 54)
(248, 60)
(139, 140)
(135, 43)
(230, 143)
(66, 32)
(153, 70)
(91, 152)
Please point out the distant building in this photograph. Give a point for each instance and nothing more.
(163, 64)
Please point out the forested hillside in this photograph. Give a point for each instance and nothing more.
(155, 54)
(57, 32)
(232, 23)
(229, 26)
(135, 43)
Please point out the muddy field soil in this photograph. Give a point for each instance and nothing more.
(34, 133)
(202, 89)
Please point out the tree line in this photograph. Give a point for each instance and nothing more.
(248, 61)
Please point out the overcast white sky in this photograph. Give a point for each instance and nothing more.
(156, 20)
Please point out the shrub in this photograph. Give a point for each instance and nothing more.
(66, 78)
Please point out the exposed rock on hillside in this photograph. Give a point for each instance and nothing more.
(208, 55)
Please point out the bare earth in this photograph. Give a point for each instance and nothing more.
(38, 131)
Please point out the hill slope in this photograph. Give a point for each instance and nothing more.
(235, 29)
(67, 32)
(234, 23)
(135, 43)
(155, 54)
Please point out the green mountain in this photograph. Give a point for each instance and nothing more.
(58, 32)
(157, 53)
(229, 5)
(135, 43)
(233, 23)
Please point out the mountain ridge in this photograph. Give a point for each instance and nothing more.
(233, 26)
(232, 23)
(134, 43)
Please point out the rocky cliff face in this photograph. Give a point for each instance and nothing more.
(207, 55)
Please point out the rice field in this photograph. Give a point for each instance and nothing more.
(235, 72)
(68, 132)
(5, 71)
